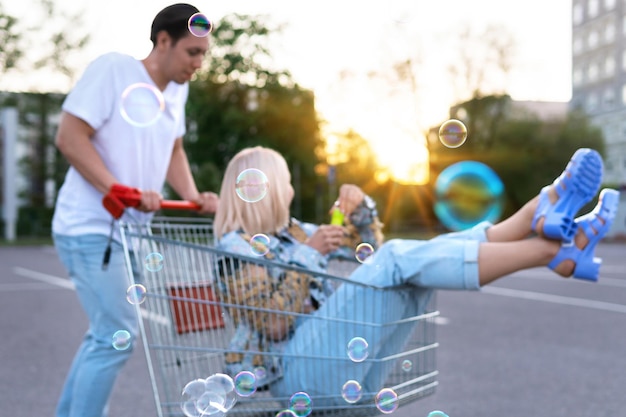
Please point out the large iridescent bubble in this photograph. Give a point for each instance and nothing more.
(468, 193)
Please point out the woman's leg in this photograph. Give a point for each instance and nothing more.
(464, 260)
(552, 212)
(316, 359)
(517, 226)
(498, 259)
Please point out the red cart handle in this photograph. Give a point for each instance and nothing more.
(121, 196)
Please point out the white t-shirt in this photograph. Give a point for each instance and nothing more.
(138, 155)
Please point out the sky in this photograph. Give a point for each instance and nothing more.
(330, 47)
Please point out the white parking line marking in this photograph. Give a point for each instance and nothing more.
(556, 299)
(47, 278)
(544, 275)
(67, 284)
(26, 286)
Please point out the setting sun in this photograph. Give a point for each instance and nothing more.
(407, 162)
(404, 157)
(393, 126)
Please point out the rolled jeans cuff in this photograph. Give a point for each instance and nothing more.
(470, 264)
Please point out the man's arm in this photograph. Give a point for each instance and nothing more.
(179, 177)
(73, 140)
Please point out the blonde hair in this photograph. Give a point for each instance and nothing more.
(268, 215)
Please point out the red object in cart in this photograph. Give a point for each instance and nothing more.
(194, 307)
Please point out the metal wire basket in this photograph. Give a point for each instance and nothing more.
(188, 321)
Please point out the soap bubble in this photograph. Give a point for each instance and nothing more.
(142, 104)
(251, 185)
(199, 25)
(386, 400)
(260, 373)
(121, 340)
(136, 294)
(223, 385)
(245, 383)
(363, 251)
(300, 403)
(154, 262)
(191, 392)
(351, 391)
(212, 396)
(211, 402)
(260, 244)
(286, 413)
(468, 193)
(437, 413)
(452, 133)
(194, 389)
(189, 408)
(357, 349)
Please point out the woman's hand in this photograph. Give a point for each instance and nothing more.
(350, 196)
(327, 238)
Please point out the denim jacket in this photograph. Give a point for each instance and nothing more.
(270, 289)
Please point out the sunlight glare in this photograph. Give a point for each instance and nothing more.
(393, 134)
(404, 158)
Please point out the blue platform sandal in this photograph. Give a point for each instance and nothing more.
(595, 225)
(576, 186)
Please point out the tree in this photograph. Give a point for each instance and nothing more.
(483, 62)
(36, 109)
(49, 52)
(237, 100)
(43, 165)
(526, 152)
(344, 157)
(66, 37)
(10, 38)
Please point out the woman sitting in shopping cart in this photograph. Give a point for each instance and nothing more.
(542, 233)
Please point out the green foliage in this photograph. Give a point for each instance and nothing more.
(10, 38)
(236, 101)
(36, 111)
(34, 221)
(355, 163)
(66, 39)
(29, 46)
(526, 152)
(43, 162)
(240, 51)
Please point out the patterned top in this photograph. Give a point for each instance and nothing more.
(259, 293)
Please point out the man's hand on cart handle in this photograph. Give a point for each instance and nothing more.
(207, 202)
(120, 196)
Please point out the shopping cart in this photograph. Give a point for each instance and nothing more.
(187, 320)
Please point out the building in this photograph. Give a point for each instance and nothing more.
(32, 169)
(599, 83)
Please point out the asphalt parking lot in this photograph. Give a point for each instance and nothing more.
(531, 344)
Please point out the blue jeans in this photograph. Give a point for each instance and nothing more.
(449, 261)
(102, 295)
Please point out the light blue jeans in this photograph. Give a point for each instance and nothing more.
(449, 261)
(102, 295)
